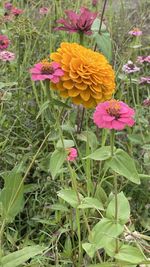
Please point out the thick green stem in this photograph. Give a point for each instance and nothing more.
(112, 140)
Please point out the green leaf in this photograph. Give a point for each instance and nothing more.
(56, 161)
(89, 248)
(67, 144)
(130, 254)
(104, 231)
(123, 208)
(11, 195)
(43, 107)
(102, 153)
(60, 207)
(70, 197)
(60, 103)
(21, 256)
(96, 24)
(90, 137)
(103, 41)
(90, 202)
(124, 165)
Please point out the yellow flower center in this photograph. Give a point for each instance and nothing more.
(114, 108)
(46, 67)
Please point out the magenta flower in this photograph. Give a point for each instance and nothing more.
(113, 114)
(130, 67)
(43, 10)
(4, 42)
(143, 59)
(80, 23)
(72, 154)
(94, 2)
(16, 11)
(8, 6)
(146, 102)
(135, 32)
(7, 56)
(144, 80)
(46, 70)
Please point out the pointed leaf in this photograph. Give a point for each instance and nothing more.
(90, 202)
(70, 196)
(102, 153)
(57, 159)
(123, 209)
(21, 256)
(130, 254)
(124, 165)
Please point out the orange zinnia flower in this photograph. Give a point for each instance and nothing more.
(88, 77)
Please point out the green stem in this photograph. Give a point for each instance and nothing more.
(112, 141)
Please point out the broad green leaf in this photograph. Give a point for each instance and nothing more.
(11, 195)
(66, 144)
(124, 165)
(123, 209)
(130, 254)
(104, 231)
(89, 248)
(96, 24)
(70, 196)
(56, 161)
(102, 153)
(21, 256)
(90, 137)
(90, 202)
(100, 194)
(103, 41)
(60, 207)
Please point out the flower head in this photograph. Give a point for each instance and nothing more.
(144, 80)
(16, 11)
(4, 42)
(135, 32)
(72, 154)
(94, 2)
(143, 59)
(75, 22)
(88, 77)
(43, 10)
(46, 70)
(146, 102)
(113, 114)
(8, 5)
(130, 67)
(7, 56)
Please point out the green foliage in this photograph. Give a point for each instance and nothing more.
(123, 209)
(11, 195)
(124, 165)
(21, 256)
(56, 161)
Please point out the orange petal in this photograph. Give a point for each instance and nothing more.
(77, 100)
(91, 103)
(64, 93)
(73, 92)
(85, 95)
(81, 86)
(68, 84)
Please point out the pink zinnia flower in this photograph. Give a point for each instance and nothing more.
(144, 80)
(7, 56)
(146, 102)
(94, 2)
(72, 154)
(16, 11)
(46, 70)
(130, 67)
(75, 22)
(8, 6)
(143, 59)
(4, 42)
(113, 114)
(135, 32)
(43, 10)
